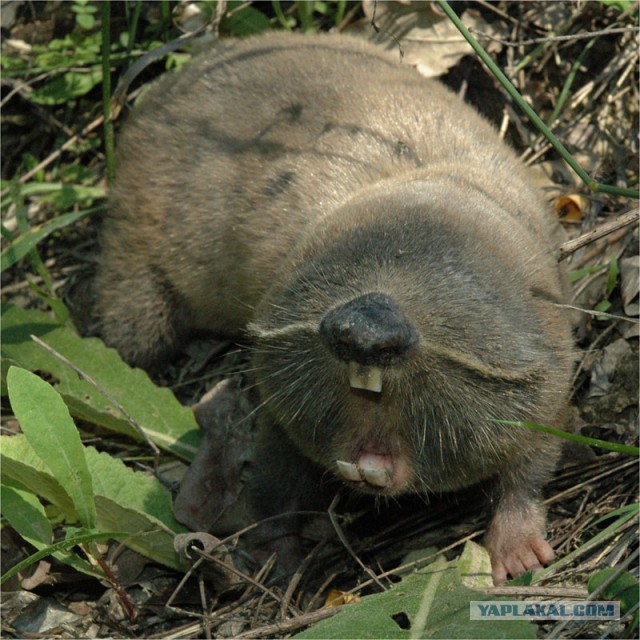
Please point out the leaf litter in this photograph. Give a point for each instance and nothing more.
(541, 46)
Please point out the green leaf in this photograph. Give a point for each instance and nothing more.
(126, 501)
(612, 277)
(603, 306)
(574, 437)
(625, 588)
(47, 425)
(21, 246)
(69, 85)
(244, 22)
(627, 511)
(432, 602)
(475, 566)
(620, 5)
(85, 20)
(625, 514)
(59, 551)
(25, 513)
(165, 421)
(578, 274)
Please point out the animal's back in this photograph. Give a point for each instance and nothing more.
(227, 162)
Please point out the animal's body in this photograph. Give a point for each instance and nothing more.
(386, 254)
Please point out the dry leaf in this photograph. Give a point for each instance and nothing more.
(571, 208)
(336, 598)
(629, 284)
(427, 38)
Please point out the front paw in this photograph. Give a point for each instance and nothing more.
(516, 544)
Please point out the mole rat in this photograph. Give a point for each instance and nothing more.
(385, 253)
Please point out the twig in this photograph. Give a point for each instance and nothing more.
(573, 36)
(626, 219)
(597, 314)
(56, 154)
(243, 576)
(348, 547)
(297, 576)
(286, 626)
(556, 631)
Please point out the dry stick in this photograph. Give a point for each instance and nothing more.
(348, 547)
(590, 480)
(54, 156)
(319, 591)
(303, 620)
(539, 592)
(572, 36)
(590, 349)
(134, 423)
(588, 257)
(626, 219)
(297, 576)
(555, 632)
(243, 576)
(598, 314)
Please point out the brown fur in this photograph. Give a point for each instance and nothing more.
(278, 178)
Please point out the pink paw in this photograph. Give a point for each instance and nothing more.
(516, 543)
(511, 561)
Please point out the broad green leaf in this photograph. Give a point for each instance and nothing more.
(603, 306)
(86, 21)
(25, 513)
(430, 603)
(126, 501)
(67, 86)
(20, 463)
(624, 588)
(47, 425)
(165, 421)
(245, 21)
(475, 566)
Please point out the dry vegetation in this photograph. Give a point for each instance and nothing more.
(541, 46)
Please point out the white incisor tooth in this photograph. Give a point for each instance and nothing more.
(363, 377)
(376, 476)
(349, 471)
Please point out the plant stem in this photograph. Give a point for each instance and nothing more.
(106, 91)
(591, 184)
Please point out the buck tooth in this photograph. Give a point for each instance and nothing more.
(364, 377)
(349, 471)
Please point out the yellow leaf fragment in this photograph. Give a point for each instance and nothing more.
(336, 598)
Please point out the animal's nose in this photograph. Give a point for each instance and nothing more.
(371, 330)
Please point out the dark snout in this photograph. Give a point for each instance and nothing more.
(371, 330)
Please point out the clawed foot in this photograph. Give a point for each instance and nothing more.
(516, 543)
